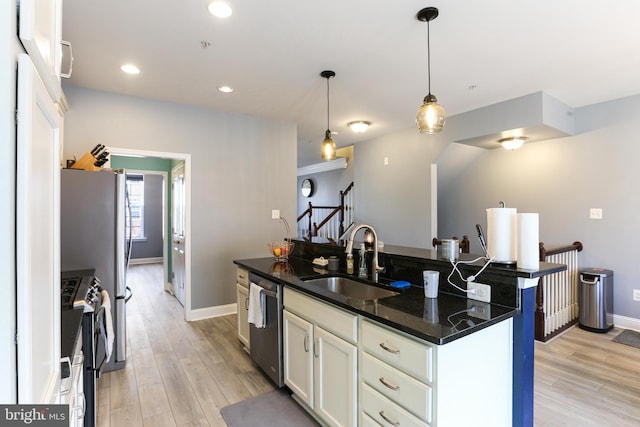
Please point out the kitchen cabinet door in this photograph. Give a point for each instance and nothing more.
(298, 356)
(37, 239)
(242, 294)
(41, 33)
(335, 378)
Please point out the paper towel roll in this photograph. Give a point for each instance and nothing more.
(501, 234)
(528, 240)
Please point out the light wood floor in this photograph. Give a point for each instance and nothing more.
(177, 373)
(584, 379)
(181, 374)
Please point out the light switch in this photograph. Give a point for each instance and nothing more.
(595, 213)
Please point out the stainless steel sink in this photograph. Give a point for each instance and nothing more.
(351, 288)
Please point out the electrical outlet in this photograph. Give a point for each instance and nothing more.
(595, 213)
(479, 309)
(275, 214)
(636, 294)
(483, 292)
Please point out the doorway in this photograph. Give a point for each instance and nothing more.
(174, 158)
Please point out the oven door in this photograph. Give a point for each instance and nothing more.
(100, 341)
(266, 343)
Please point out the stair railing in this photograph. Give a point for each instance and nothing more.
(329, 222)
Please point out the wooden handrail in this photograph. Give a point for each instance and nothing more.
(314, 227)
(539, 315)
(543, 252)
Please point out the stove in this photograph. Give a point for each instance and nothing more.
(80, 290)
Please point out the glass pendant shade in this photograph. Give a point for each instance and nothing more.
(328, 147)
(431, 116)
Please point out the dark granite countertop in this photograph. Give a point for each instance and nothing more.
(439, 321)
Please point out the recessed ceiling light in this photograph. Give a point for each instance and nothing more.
(220, 9)
(130, 69)
(225, 89)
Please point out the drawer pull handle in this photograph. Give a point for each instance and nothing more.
(394, 423)
(387, 385)
(246, 303)
(306, 343)
(389, 349)
(316, 348)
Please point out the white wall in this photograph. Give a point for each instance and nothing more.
(242, 168)
(561, 179)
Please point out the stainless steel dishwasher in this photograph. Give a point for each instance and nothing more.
(266, 343)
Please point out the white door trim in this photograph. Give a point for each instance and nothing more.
(187, 177)
(165, 216)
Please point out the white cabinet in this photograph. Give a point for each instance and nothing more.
(320, 357)
(38, 239)
(242, 294)
(412, 382)
(297, 339)
(40, 32)
(72, 389)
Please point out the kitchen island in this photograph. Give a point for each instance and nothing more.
(477, 352)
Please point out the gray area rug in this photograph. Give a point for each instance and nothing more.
(275, 408)
(628, 337)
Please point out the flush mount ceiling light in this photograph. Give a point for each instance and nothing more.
(220, 9)
(512, 143)
(431, 116)
(130, 69)
(359, 126)
(328, 146)
(225, 89)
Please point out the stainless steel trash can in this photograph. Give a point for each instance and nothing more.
(595, 299)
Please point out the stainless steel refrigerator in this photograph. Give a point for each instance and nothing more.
(93, 235)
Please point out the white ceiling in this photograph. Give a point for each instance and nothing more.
(272, 52)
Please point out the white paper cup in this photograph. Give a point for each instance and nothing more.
(430, 279)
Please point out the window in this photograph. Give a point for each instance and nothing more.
(135, 213)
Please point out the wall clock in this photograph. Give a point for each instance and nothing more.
(306, 189)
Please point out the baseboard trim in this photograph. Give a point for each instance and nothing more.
(626, 322)
(154, 260)
(209, 312)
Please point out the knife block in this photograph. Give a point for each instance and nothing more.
(86, 162)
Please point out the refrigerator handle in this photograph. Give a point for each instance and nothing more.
(128, 297)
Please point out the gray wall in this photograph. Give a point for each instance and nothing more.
(561, 179)
(151, 245)
(242, 168)
(395, 199)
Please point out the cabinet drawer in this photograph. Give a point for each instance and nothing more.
(367, 421)
(385, 411)
(333, 319)
(407, 354)
(397, 386)
(242, 277)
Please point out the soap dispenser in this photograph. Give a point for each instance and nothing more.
(362, 272)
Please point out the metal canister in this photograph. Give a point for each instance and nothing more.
(450, 249)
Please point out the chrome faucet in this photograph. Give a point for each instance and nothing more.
(375, 268)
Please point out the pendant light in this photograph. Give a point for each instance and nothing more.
(431, 116)
(328, 146)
